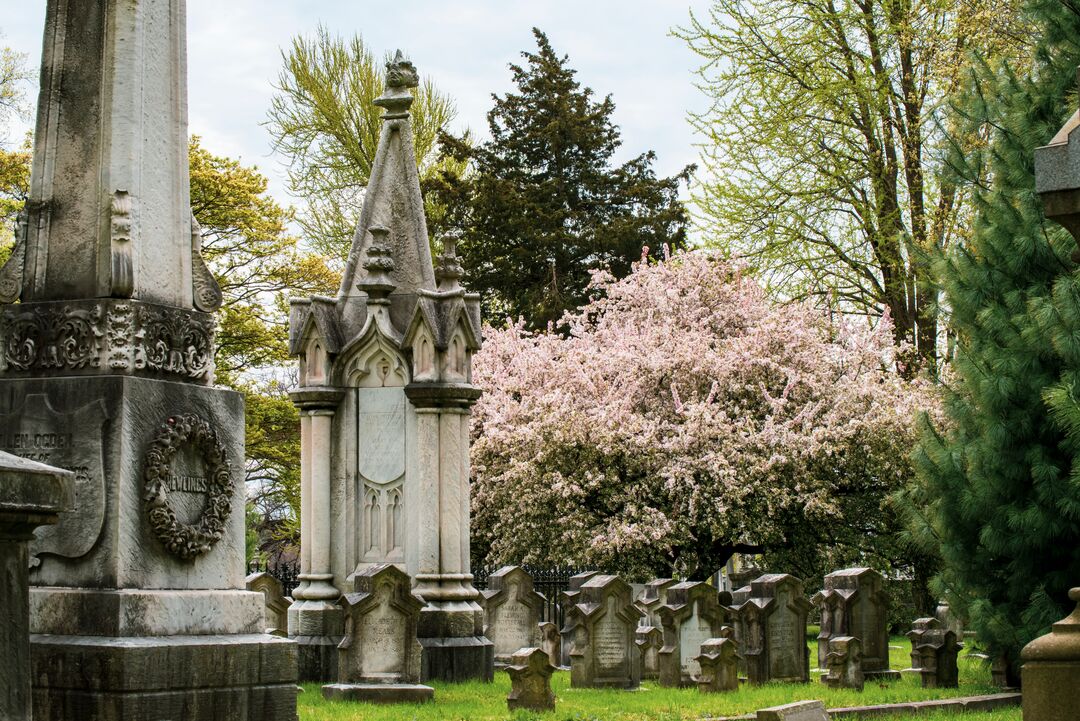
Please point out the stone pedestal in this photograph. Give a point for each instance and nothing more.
(143, 573)
(31, 495)
(1051, 670)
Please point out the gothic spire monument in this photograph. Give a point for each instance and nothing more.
(385, 394)
(106, 369)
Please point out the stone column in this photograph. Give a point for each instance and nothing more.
(31, 495)
(316, 621)
(452, 624)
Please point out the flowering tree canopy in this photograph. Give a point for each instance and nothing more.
(685, 417)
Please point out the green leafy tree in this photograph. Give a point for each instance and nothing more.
(998, 500)
(824, 139)
(324, 122)
(14, 163)
(542, 206)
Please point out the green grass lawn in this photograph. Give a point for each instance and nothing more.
(487, 702)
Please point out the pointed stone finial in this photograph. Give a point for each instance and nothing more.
(379, 265)
(401, 76)
(448, 270)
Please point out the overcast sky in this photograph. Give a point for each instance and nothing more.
(622, 47)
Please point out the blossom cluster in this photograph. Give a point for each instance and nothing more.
(684, 414)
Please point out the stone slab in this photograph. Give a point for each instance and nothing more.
(969, 704)
(131, 612)
(248, 677)
(798, 711)
(378, 693)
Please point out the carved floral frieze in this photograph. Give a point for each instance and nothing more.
(106, 336)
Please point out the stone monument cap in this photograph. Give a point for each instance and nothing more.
(31, 487)
(1063, 641)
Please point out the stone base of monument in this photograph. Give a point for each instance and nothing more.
(378, 692)
(247, 677)
(454, 646)
(886, 674)
(317, 627)
(457, 659)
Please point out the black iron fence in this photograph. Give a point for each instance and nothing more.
(287, 573)
(548, 581)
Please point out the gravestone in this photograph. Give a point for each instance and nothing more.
(854, 603)
(1051, 665)
(691, 616)
(934, 652)
(512, 611)
(774, 628)
(649, 640)
(31, 495)
(568, 598)
(652, 597)
(551, 642)
(843, 663)
(605, 621)
(275, 603)
(718, 664)
(385, 397)
(106, 370)
(530, 681)
(943, 613)
(798, 711)
(379, 658)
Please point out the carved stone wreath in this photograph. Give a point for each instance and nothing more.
(180, 539)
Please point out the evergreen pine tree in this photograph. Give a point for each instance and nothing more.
(543, 206)
(999, 499)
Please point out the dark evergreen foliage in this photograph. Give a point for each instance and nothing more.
(542, 205)
(1001, 494)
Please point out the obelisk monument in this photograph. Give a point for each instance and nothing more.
(138, 606)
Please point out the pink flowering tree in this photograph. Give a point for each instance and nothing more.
(685, 417)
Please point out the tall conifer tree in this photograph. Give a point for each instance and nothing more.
(1000, 500)
(543, 205)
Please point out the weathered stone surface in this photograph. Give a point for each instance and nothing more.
(943, 613)
(381, 618)
(530, 679)
(551, 642)
(105, 363)
(652, 597)
(384, 392)
(853, 602)
(31, 495)
(799, 711)
(934, 652)
(512, 611)
(275, 602)
(691, 616)
(718, 664)
(219, 678)
(844, 663)
(567, 599)
(649, 640)
(1052, 665)
(773, 625)
(605, 620)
